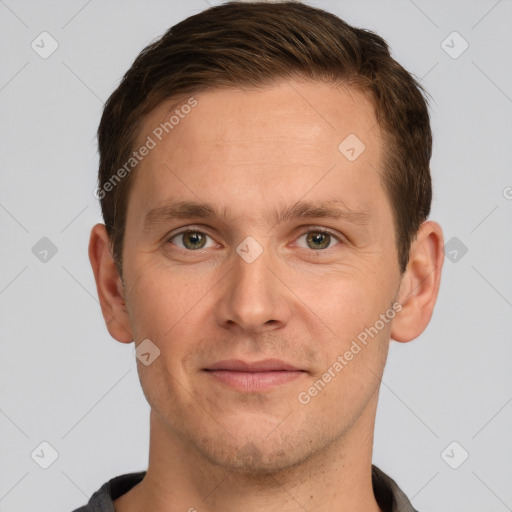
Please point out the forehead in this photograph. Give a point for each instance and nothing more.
(292, 138)
(311, 110)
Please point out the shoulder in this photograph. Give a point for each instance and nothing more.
(388, 494)
(102, 499)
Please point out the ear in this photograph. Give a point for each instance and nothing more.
(420, 283)
(109, 286)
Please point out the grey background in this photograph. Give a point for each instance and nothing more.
(63, 380)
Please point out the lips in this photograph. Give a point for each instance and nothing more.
(268, 365)
(253, 377)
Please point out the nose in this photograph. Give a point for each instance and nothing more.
(254, 297)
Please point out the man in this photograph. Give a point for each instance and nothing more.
(264, 180)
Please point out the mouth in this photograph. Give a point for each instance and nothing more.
(255, 376)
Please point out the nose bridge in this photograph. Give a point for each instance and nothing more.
(254, 298)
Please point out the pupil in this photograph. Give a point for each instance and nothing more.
(317, 238)
(193, 237)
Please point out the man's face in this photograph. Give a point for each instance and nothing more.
(247, 285)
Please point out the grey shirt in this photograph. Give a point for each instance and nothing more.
(389, 496)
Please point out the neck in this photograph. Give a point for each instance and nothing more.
(179, 478)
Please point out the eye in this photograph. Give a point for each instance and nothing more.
(191, 239)
(318, 239)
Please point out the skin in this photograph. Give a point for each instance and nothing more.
(213, 447)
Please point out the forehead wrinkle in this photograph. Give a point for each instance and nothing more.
(335, 209)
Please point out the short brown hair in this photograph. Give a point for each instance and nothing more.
(254, 44)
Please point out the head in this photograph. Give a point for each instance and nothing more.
(246, 124)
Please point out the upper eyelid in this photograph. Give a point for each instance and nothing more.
(306, 229)
(339, 238)
(187, 229)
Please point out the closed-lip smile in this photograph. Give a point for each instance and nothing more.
(256, 376)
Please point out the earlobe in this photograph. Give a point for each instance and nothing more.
(420, 283)
(109, 286)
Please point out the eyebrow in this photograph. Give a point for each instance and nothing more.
(334, 209)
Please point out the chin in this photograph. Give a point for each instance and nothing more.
(253, 456)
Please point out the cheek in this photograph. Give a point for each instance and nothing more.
(354, 341)
(345, 315)
(161, 310)
(163, 299)
(344, 301)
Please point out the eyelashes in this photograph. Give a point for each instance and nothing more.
(316, 239)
